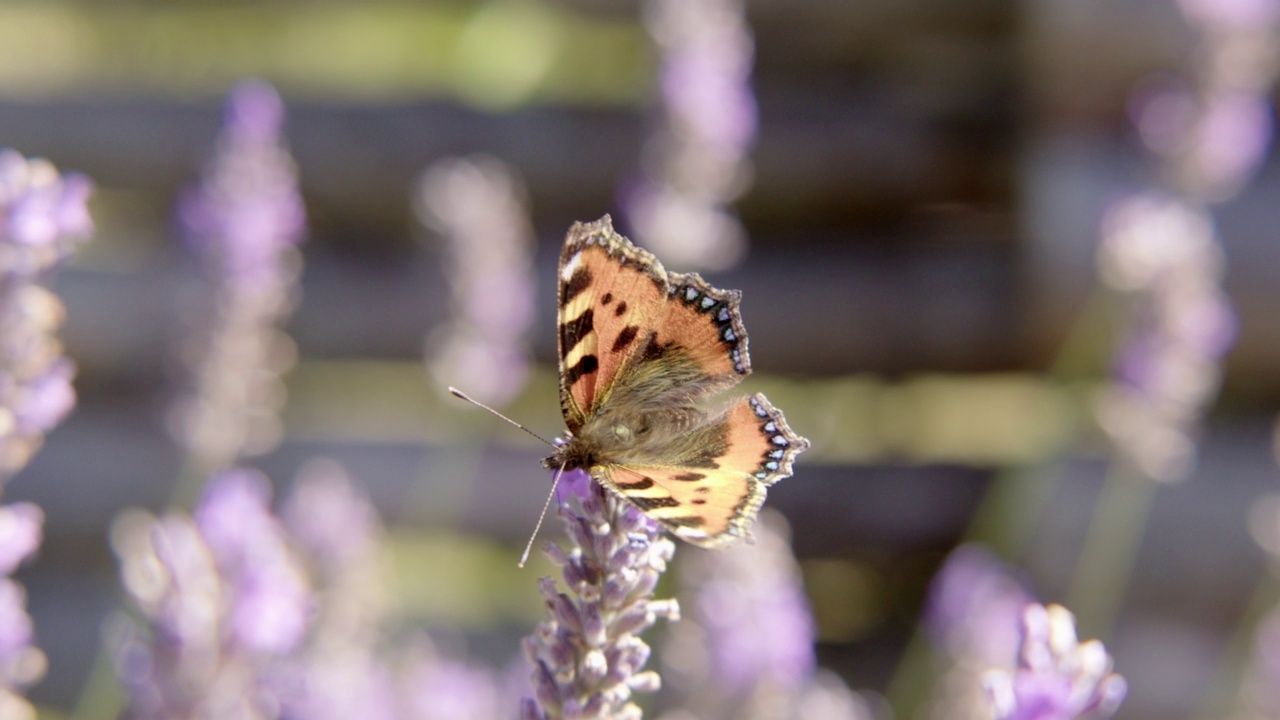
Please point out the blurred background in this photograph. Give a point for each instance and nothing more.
(915, 197)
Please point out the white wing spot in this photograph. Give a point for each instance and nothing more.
(570, 267)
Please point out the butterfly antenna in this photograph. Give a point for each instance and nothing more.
(524, 558)
(459, 394)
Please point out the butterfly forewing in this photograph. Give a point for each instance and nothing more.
(706, 322)
(611, 295)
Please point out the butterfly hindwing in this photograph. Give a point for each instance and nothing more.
(715, 501)
(707, 507)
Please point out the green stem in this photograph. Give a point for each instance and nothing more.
(1110, 550)
(102, 697)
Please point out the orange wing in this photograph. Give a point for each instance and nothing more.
(712, 506)
(618, 306)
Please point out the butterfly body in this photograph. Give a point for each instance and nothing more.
(643, 355)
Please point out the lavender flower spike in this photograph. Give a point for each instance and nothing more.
(244, 220)
(21, 663)
(1058, 678)
(44, 216)
(224, 603)
(587, 655)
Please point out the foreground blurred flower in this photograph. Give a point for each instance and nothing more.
(348, 666)
(1057, 677)
(974, 617)
(587, 655)
(748, 650)
(223, 599)
(974, 610)
(338, 532)
(244, 222)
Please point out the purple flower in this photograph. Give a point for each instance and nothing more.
(1162, 254)
(974, 608)
(1232, 137)
(330, 519)
(1057, 677)
(224, 602)
(1237, 14)
(20, 534)
(748, 650)
(697, 159)
(44, 216)
(16, 631)
(452, 691)
(345, 683)
(47, 400)
(244, 220)
(973, 616)
(587, 655)
(248, 209)
(479, 206)
(348, 667)
(270, 597)
(752, 605)
(21, 663)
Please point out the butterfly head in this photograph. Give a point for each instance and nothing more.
(570, 453)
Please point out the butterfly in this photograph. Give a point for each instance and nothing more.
(643, 354)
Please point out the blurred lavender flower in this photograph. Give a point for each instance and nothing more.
(338, 532)
(1162, 254)
(1215, 131)
(478, 204)
(224, 602)
(244, 221)
(346, 668)
(697, 162)
(1161, 249)
(756, 586)
(1057, 678)
(587, 655)
(748, 652)
(21, 663)
(439, 689)
(973, 616)
(44, 216)
(974, 607)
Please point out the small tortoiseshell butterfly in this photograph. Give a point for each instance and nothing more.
(643, 352)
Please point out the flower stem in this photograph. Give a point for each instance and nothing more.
(1110, 549)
